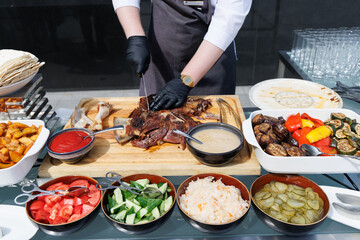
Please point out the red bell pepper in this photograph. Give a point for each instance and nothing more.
(330, 150)
(303, 133)
(316, 121)
(293, 122)
(296, 134)
(325, 142)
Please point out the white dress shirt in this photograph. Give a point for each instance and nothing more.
(228, 17)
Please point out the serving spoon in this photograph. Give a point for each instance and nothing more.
(310, 150)
(118, 127)
(187, 136)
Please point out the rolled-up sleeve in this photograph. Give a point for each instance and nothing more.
(227, 19)
(125, 3)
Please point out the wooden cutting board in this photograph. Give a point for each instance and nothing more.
(167, 159)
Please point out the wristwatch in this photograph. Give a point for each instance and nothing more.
(187, 80)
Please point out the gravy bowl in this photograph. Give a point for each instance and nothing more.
(217, 139)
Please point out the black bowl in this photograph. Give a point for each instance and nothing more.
(282, 226)
(214, 228)
(75, 156)
(215, 159)
(145, 227)
(65, 228)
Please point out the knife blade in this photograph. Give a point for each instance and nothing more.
(145, 91)
(348, 199)
(349, 211)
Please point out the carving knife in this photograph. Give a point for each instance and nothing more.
(145, 91)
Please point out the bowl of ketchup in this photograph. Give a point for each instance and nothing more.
(70, 145)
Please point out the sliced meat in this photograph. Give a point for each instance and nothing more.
(276, 150)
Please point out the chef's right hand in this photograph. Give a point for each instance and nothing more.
(138, 54)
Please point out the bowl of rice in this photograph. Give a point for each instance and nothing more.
(213, 203)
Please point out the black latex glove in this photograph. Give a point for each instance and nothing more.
(172, 95)
(138, 54)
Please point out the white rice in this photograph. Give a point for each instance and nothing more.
(213, 202)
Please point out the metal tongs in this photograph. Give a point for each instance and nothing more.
(31, 188)
(349, 206)
(112, 176)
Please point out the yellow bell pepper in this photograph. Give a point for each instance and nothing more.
(318, 134)
(307, 123)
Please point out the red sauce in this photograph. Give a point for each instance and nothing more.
(69, 141)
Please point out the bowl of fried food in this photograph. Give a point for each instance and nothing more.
(290, 204)
(21, 142)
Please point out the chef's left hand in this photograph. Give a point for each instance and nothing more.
(172, 95)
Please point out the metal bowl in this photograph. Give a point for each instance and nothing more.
(215, 159)
(214, 228)
(65, 228)
(75, 156)
(282, 226)
(144, 228)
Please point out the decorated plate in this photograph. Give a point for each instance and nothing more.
(293, 93)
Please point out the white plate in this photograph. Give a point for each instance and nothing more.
(282, 93)
(15, 224)
(16, 86)
(306, 164)
(335, 215)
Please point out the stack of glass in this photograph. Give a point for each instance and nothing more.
(328, 55)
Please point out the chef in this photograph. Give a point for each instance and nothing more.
(191, 44)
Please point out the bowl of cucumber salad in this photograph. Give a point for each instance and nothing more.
(139, 213)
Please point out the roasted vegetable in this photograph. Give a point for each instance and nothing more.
(355, 127)
(344, 147)
(280, 131)
(258, 119)
(339, 116)
(318, 134)
(293, 122)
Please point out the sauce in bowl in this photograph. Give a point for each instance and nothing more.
(215, 140)
(69, 141)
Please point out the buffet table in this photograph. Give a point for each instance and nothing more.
(176, 227)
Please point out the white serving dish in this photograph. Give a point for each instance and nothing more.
(16, 86)
(17, 172)
(306, 164)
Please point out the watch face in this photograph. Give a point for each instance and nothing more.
(187, 81)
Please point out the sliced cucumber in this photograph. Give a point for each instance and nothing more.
(154, 185)
(155, 212)
(121, 215)
(141, 213)
(142, 221)
(162, 207)
(339, 116)
(344, 147)
(118, 196)
(168, 203)
(163, 188)
(143, 182)
(117, 208)
(130, 204)
(130, 219)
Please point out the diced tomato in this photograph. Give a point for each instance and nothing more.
(77, 201)
(303, 133)
(293, 122)
(84, 198)
(51, 200)
(330, 150)
(325, 142)
(54, 212)
(66, 211)
(84, 183)
(74, 217)
(86, 209)
(56, 220)
(94, 198)
(36, 205)
(296, 134)
(68, 201)
(41, 216)
(41, 198)
(77, 209)
(52, 187)
(316, 121)
(47, 208)
(33, 213)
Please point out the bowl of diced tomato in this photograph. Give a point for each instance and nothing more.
(64, 214)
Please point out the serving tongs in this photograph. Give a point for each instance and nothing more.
(221, 102)
(349, 206)
(31, 188)
(112, 176)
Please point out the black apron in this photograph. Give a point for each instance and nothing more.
(176, 31)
